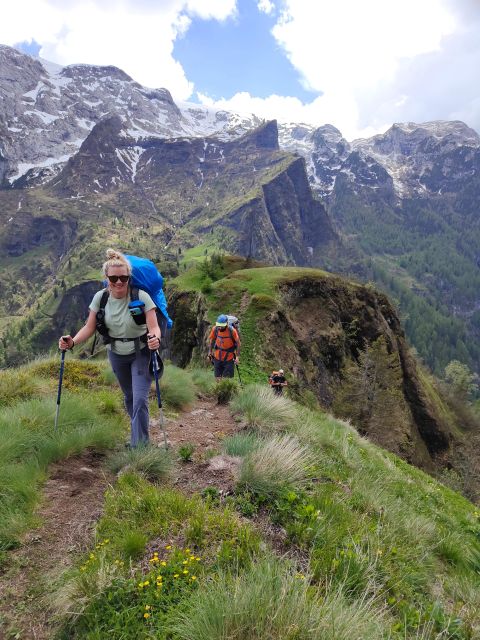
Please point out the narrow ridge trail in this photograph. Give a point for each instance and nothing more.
(73, 499)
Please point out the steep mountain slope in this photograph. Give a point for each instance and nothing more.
(112, 151)
(311, 533)
(156, 197)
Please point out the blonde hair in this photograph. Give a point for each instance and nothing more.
(116, 259)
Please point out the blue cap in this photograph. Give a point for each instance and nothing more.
(222, 321)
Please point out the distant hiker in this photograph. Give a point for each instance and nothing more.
(130, 339)
(224, 348)
(277, 381)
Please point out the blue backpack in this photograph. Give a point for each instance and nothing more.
(145, 276)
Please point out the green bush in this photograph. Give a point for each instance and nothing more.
(77, 373)
(225, 390)
(185, 451)
(16, 385)
(262, 409)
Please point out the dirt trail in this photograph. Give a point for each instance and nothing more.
(73, 502)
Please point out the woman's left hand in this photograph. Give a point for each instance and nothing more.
(153, 342)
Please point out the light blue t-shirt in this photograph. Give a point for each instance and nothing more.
(119, 321)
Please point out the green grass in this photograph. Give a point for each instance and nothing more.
(274, 601)
(153, 463)
(374, 545)
(241, 444)
(177, 388)
(29, 443)
(262, 409)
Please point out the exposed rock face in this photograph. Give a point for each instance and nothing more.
(285, 224)
(27, 232)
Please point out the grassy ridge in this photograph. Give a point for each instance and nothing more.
(376, 548)
(324, 536)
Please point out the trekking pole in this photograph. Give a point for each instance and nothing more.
(159, 397)
(62, 365)
(239, 376)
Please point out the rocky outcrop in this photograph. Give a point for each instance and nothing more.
(27, 232)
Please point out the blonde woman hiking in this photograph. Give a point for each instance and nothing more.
(130, 329)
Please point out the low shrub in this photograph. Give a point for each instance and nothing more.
(16, 385)
(185, 451)
(77, 373)
(225, 390)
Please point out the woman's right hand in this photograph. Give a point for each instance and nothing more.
(66, 342)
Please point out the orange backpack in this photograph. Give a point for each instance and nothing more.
(224, 347)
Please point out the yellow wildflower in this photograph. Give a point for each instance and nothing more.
(163, 563)
(193, 578)
(175, 575)
(147, 607)
(169, 546)
(185, 571)
(146, 615)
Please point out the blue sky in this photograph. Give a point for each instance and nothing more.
(239, 54)
(360, 65)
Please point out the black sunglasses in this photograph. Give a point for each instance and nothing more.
(121, 278)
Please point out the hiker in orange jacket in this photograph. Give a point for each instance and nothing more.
(224, 348)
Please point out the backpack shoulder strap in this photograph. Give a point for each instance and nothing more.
(104, 298)
(134, 293)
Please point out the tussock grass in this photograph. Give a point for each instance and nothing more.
(16, 385)
(153, 463)
(241, 444)
(277, 464)
(204, 381)
(177, 388)
(263, 410)
(271, 601)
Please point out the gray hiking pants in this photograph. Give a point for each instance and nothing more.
(135, 379)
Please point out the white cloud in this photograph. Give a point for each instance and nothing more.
(377, 62)
(265, 6)
(135, 35)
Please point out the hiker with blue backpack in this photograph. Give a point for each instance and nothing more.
(126, 318)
